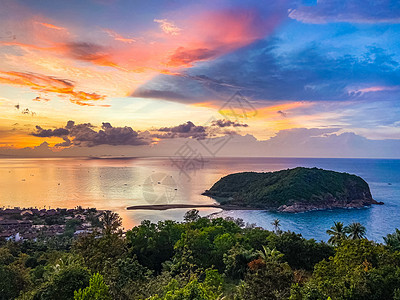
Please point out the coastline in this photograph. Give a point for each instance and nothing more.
(191, 206)
(295, 208)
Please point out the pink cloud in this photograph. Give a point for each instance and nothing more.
(116, 36)
(186, 40)
(375, 89)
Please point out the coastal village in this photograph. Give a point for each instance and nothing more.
(19, 224)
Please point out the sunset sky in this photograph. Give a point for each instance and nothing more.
(138, 75)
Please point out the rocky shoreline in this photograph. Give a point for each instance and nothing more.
(302, 207)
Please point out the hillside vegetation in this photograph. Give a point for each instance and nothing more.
(201, 259)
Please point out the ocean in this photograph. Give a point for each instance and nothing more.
(116, 183)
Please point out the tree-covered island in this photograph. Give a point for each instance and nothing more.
(292, 190)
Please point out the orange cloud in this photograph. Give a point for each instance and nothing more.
(51, 26)
(49, 84)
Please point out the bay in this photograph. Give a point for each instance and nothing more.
(116, 183)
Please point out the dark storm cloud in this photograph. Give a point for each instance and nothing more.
(59, 132)
(67, 143)
(185, 130)
(227, 123)
(355, 11)
(86, 135)
(70, 124)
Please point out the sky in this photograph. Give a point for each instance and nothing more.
(142, 78)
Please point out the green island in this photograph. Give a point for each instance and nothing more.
(201, 258)
(292, 190)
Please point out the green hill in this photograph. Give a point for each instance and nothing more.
(292, 190)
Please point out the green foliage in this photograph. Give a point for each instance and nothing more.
(273, 189)
(201, 258)
(12, 281)
(360, 269)
(299, 252)
(152, 243)
(194, 290)
(97, 251)
(63, 284)
(236, 260)
(267, 278)
(125, 277)
(97, 290)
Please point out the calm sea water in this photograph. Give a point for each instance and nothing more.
(117, 183)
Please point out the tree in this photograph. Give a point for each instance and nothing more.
(111, 222)
(299, 252)
(277, 225)
(125, 278)
(236, 260)
(152, 243)
(267, 278)
(209, 289)
(12, 281)
(99, 250)
(355, 231)
(191, 215)
(64, 283)
(267, 254)
(337, 233)
(360, 269)
(97, 290)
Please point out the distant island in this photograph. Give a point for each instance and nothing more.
(292, 190)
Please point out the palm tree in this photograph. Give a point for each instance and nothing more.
(393, 240)
(337, 233)
(277, 225)
(270, 255)
(356, 231)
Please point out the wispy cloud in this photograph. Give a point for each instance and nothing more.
(168, 27)
(372, 89)
(49, 84)
(51, 26)
(355, 11)
(116, 36)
